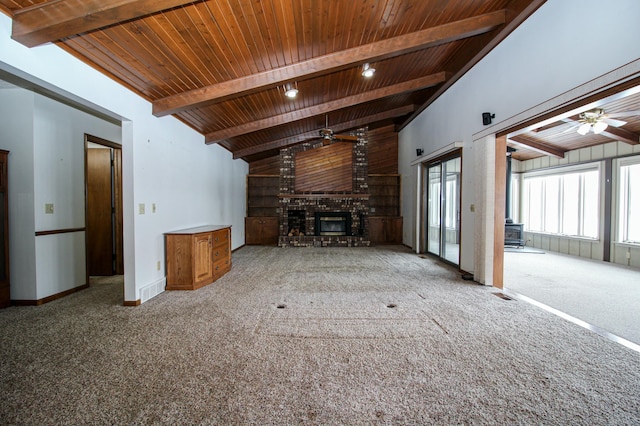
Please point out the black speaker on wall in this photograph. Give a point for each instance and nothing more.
(486, 118)
(419, 151)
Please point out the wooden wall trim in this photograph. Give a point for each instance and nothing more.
(132, 303)
(38, 302)
(499, 211)
(59, 231)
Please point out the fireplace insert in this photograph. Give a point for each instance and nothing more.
(333, 223)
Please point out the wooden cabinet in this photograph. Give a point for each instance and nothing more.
(198, 256)
(385, 230)
(5, 288)
(261, 230)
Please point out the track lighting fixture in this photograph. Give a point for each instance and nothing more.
(367, 71)
(291, 91)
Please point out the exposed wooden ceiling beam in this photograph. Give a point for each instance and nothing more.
(330, 63)
(338, 127)
(372, 95)
(538, 146)
(621, 135)
(55, 20)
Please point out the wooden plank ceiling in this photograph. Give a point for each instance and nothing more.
(221, 66)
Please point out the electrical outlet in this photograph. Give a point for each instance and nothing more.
(141, 208)
(48, 208)
(628, 254)
(153, 208)
(158, 265)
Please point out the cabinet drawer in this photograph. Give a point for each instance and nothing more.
(221, 238)
(220, 252)
(221, 267)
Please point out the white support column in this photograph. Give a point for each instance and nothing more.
(484, 209)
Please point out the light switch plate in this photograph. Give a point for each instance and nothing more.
(141, 208)
(48, 208)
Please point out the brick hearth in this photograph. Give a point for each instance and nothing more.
(355, 202)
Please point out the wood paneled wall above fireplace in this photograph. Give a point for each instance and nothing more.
(373, 196)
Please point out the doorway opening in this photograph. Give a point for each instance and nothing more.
(103, 207)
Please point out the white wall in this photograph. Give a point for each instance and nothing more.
(164, 161)
(46, 166)
(550, 53)
(16, 136)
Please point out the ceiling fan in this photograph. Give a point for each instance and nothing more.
(328, 136)
(597, 120)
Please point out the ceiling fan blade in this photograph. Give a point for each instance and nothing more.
(570, 128)
(346, 138)
(623, 114)
(613, 122)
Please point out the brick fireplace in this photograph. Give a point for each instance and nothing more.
(303, 211)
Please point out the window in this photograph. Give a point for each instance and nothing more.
(565, 203)
(630, 203)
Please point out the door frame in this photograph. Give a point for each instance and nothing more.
(423, 246)
(613, 82)
(117, 230)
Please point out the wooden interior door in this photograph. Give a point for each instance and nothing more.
(99, 212)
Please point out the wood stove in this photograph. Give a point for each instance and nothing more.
(514, 234)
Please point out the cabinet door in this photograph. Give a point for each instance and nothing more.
(270, 231)
(385, 230)
(261, 230)
(203, 264)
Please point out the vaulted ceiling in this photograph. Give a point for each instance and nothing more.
(221, 66)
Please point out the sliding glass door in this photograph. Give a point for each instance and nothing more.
(443, 209)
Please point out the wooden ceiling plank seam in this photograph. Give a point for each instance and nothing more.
(254, 36)
(142, 29)
(307, 29)
(204, 30)
(338, 127)
(226, 22)
(101, 42)
(348, 101)
(222, 49)
(132, 83)
(193, 50)
(287, 18)
(325, 29)
(276, 47)
(50, 21)
(325, 64)
(174, 58)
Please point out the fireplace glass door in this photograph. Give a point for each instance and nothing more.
(443, 209)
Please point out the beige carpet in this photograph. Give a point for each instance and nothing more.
(602, 294)
(311, 336)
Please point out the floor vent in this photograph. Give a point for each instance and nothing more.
(281, 306)
(503, 296)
